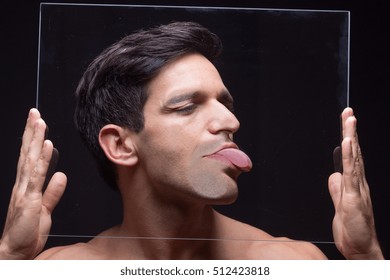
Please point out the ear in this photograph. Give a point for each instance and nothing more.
(118, 145)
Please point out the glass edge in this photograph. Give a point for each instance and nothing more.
(195, 7)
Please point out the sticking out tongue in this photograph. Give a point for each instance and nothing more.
(237, 157)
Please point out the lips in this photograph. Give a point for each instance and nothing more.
(238, 158)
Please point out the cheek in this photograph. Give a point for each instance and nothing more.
(174, 140)
(164, 151)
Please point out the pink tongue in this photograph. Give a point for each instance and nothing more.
(237, 157)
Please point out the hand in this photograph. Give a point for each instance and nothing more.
(29, 214)
(353, 224)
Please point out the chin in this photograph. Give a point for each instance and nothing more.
(225, 195)
(214, 188)
(224, 201)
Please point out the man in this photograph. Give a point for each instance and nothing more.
(155, 113)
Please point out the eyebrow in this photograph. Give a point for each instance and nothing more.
(224, 96)
(180, 98)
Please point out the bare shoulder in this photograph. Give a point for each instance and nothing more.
(250, 242)
(282, 248)
(95, 249)
(78, 251)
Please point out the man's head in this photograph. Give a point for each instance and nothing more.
(154, 111)
(185, 152)
(113, 90)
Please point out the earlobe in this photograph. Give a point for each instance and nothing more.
(118, 145)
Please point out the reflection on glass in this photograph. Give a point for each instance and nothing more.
(287, 71)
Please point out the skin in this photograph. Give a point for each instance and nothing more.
(29, 215)
(179, 135)
(353, 225)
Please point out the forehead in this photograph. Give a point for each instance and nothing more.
(191, 73)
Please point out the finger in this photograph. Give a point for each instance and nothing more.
(359, 160)
(334, 185)
(52, 167)
(363, 181)
(54, 191)
(28, 133)
(38, 175)
(351, 131)
(337, 162)
(347, 112)
(350, 172)
(356, 147)
(33, 116)
(30, 166)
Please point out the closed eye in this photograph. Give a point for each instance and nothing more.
(186, 110)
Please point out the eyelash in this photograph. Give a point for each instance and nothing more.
(186, 110)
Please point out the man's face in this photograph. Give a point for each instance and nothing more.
(185, 147)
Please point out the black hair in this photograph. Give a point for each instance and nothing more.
(113, 88)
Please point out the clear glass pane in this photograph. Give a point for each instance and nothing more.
(287, 71)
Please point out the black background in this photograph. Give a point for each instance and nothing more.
(369, 56)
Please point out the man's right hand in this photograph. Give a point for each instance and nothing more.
(28, 220)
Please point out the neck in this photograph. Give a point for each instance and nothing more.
(167, 229)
